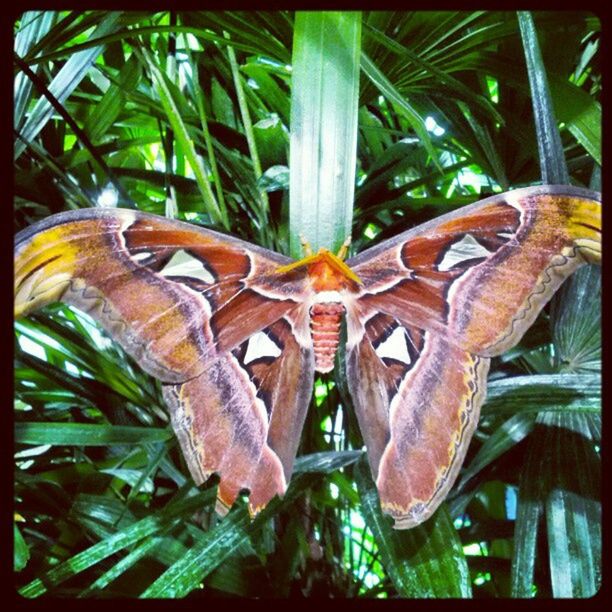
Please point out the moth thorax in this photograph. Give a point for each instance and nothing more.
(325, 320)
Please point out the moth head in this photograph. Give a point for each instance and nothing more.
(326, 271)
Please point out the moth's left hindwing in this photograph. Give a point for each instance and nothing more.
(201, 311)
(242, 417)
(436, 303)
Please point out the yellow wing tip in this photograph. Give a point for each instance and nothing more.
(585, 229)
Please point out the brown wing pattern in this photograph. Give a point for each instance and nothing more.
(442, 299)
(481, 275)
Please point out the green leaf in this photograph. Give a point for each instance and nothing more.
(64, 83)
(530, 510)
(552, 158)
(537, 392)
(105, 113)
(403, 106)
(139, 551)
(275, 178)
(216, 545)
(426, 561)
(62, 343)
(507, 435)
(582, 115)
(576, 322)
(324, 113)
(444, 79)
(560, 482)
(325, 462)
(78, 434)
(269, 90)
(33, 27)
(21, 552)
(573, 509)
(263, 205)
(144, 528)
(272, 142)
(188, 572)
(181, 132)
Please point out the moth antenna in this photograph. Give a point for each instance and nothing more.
(343, 252)
(305, 245)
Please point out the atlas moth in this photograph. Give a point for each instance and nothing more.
(235, 332)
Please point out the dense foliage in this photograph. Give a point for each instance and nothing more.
(188, 114)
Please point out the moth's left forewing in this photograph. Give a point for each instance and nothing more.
(436, 303)
(172, 294)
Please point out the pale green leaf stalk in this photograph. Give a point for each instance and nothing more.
(250, 136)
(324, 112)
(185, 142)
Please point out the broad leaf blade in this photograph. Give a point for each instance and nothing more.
(426, 561)
(576, 322)
(529, 513)
(145, 528)
(216, 545)
(324, 98)
(81, 434)
(21, 553)
(554, 487)
(188, 572)
(536, 392)
(550, 149)
(573, 510)
(580, 113)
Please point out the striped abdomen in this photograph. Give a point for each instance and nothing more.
(325, 320)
